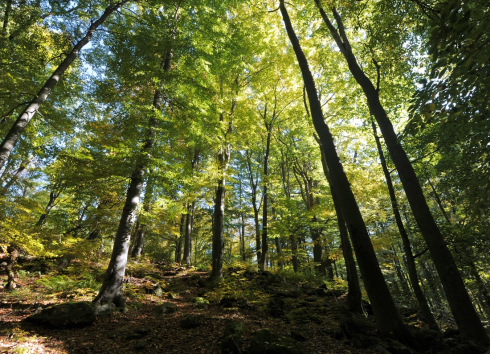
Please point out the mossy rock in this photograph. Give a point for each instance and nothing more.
(164, 309)
(67, 315)
(266, 341)
(201, 303)
(232, 342)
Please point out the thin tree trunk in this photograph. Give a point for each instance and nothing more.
(412, 270)
(15, 132)
(52, 198)
(388, 320)
(469, 323)
(242, 238)
(188, 234)
(256, 208)
(6, 17)
(16, 176)
(178, 245)
(265, 244)
(219, 211)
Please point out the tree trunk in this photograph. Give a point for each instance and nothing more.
(178, 243)
(15, 132)
(52, 198)
(469, 323)
(412, 270)
(188, 234)
(253, 185)
(354, 294)
(242, 239)
(6, 18)
(265, 244)
(388, 320)
(141, 228)
(219, 212)
(16, 176)
(111, 290)
(13, 254)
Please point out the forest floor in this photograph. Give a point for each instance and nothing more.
(243, 296)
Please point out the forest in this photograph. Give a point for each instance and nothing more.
(248, 176)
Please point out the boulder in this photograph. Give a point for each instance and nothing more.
(266, 341)
(350, 325)
(164, 309)
(190, 321)
(232, 342)
(276, 307)
(67, 315)
(104, 310)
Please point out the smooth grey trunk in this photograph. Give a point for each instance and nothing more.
(189, 220)
(23, 119)
(219, 208)
(388, 320)
(469, 323)
(412, 270)
(265, 193)
(178, 243)
(111, 290)
(242, 239)
(141, 227)
(253, 185)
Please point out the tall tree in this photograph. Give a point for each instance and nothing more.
(466, 317)
(388, 320)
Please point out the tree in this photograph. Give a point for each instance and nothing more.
(387, 318)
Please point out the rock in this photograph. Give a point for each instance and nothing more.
(195, 277)
(190, 322)
(67, 315)
(469, 348)
(356, 325)
(276, 307)
(364, 342)
(158, 291)
(228, 301)
(201, 303)
(232, 342)
(296, 335)
(450, 333)
(164, 309)
(201, 283)
(169, 274)
(114, 334)
(140, 345)
(104, 310)
(266, 341)
(395, 347)
(429, 340)
(173, 296)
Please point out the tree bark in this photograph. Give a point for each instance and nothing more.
(388, 320)
(16, 176)
(6, 18)
(412, 270)
(219, 211)
(53, 195)
(15, 132)
(188, 234)
(469, 323)
(111, 290)
(265, 244)
(141, 228)
(253, 185)
(354, 294)
(178, 243)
